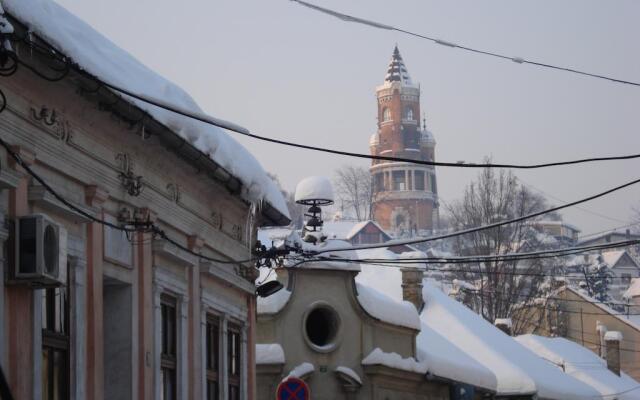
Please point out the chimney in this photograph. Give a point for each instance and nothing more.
(504, 324)
(412, 286)
(613, 339)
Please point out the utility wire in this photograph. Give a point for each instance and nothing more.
(577, 207)
(92, 218)
(517, 60)
(245, 132)
(483, 227)
(524, 255)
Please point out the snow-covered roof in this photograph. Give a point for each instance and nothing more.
(612, 257)
(633, 290)
(582, 364)
(338, 229)
(446, 360)
(518, 371)
(271, 353)
(458, 344)
(97, 55)
(346, 230)
(384, 308)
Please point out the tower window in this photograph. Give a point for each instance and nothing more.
(386, 114)
(419, 180)
(399, 180)
(408, 113)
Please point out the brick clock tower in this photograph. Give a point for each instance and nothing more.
(405, 196)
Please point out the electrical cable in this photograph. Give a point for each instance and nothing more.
(484, 227)
(517, 60)
(559, 252)
(562, 201)
(245, 132)
(92, 218)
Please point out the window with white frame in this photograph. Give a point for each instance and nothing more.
(55, 344)
(234, 361)
(212, 357)
(168, 353)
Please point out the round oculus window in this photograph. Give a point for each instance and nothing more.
(321, 326)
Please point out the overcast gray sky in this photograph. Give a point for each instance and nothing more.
(287, 72)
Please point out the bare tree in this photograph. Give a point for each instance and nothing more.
(353, 189)
(503, 286)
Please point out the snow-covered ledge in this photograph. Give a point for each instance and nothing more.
(269, 353)
(395, 361)
(301, 371)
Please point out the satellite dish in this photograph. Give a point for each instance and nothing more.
(269, 288)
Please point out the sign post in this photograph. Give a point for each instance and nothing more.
(293, 389)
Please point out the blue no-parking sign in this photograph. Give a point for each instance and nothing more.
(292, 389)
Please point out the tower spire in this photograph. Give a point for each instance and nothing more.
(397, 71)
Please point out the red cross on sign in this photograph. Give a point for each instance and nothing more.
(293, 389)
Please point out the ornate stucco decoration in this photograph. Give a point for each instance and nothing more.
(216, 219)
(132, 183)
(174, 192)
(55, 125)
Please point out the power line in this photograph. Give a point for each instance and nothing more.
(612, 230)
(484, 227)
(562, 201)
(245, 132)
(92, 218)
(517, 60)
(559, 252)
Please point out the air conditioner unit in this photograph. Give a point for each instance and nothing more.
(41, 252)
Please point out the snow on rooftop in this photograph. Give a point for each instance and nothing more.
(612, 257)
(582, 364)
(338, 229)
(99, 56)
(271, 353)
(633, 290)
(395, 360)
(446, 360)
(518, 370)
(384, 308)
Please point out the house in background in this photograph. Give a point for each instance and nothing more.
(361, 232)
(560, 230)
(580, 318)
(582, 364)
(88, 311)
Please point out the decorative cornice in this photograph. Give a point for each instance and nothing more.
(95, 196)
(40, 196)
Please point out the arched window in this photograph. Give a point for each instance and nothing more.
(386, 114)
(408, 113)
